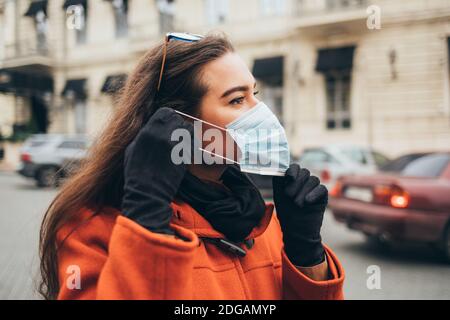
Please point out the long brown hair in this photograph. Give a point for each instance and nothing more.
(98, 183)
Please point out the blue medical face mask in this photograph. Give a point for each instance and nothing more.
(261, 140)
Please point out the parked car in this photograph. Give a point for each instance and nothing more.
(331, 161)
(398, 164)
(49, 158)
(264, 183)
(412, 205)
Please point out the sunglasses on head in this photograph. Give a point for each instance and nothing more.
(186, 37)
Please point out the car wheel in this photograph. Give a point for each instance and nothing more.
(47, 177)
(378, 241)
(445, 245)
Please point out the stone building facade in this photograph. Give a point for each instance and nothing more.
(356, 71)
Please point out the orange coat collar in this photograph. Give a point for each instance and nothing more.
(188, 217)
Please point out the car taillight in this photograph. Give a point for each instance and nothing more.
(400, 200)
(325, 176)
(336, 190)
(391, 195)
(25, 157)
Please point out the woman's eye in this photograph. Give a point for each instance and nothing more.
(241, 99)
(237, 101)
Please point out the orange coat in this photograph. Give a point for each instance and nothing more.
(119, 259)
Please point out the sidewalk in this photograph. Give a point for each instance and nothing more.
(12, 157)
(6, 166)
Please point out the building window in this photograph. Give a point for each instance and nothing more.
(273, 7)
(81, 32)
(166, 9)
(336, 65)
(120, 8)
(41, 23)
(75, 92)
(270, 72)
(338, 85)
(38, 11)
(216, 11)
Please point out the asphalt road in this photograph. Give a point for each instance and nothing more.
(405, 271)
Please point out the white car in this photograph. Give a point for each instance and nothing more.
(47, 158)
(330, 162)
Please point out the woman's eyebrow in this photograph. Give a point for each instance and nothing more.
(235, 89)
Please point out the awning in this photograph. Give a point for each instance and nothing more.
(77, 87)
(113, 83)
(335, 59)
(35, 7)
(269, 70)
(18, 82)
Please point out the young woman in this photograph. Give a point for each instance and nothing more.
(132, 224)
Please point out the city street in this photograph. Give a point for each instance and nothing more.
(407, 272)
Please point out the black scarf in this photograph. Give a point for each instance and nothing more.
(234, 210)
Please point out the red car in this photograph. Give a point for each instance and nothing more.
(411, 205)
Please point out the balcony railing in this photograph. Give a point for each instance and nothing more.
(318, 7)
(31, 48)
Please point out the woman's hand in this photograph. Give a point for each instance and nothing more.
(301, 201)
(151, 177)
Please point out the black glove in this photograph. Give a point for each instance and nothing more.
(300, 201)
(151, 177)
